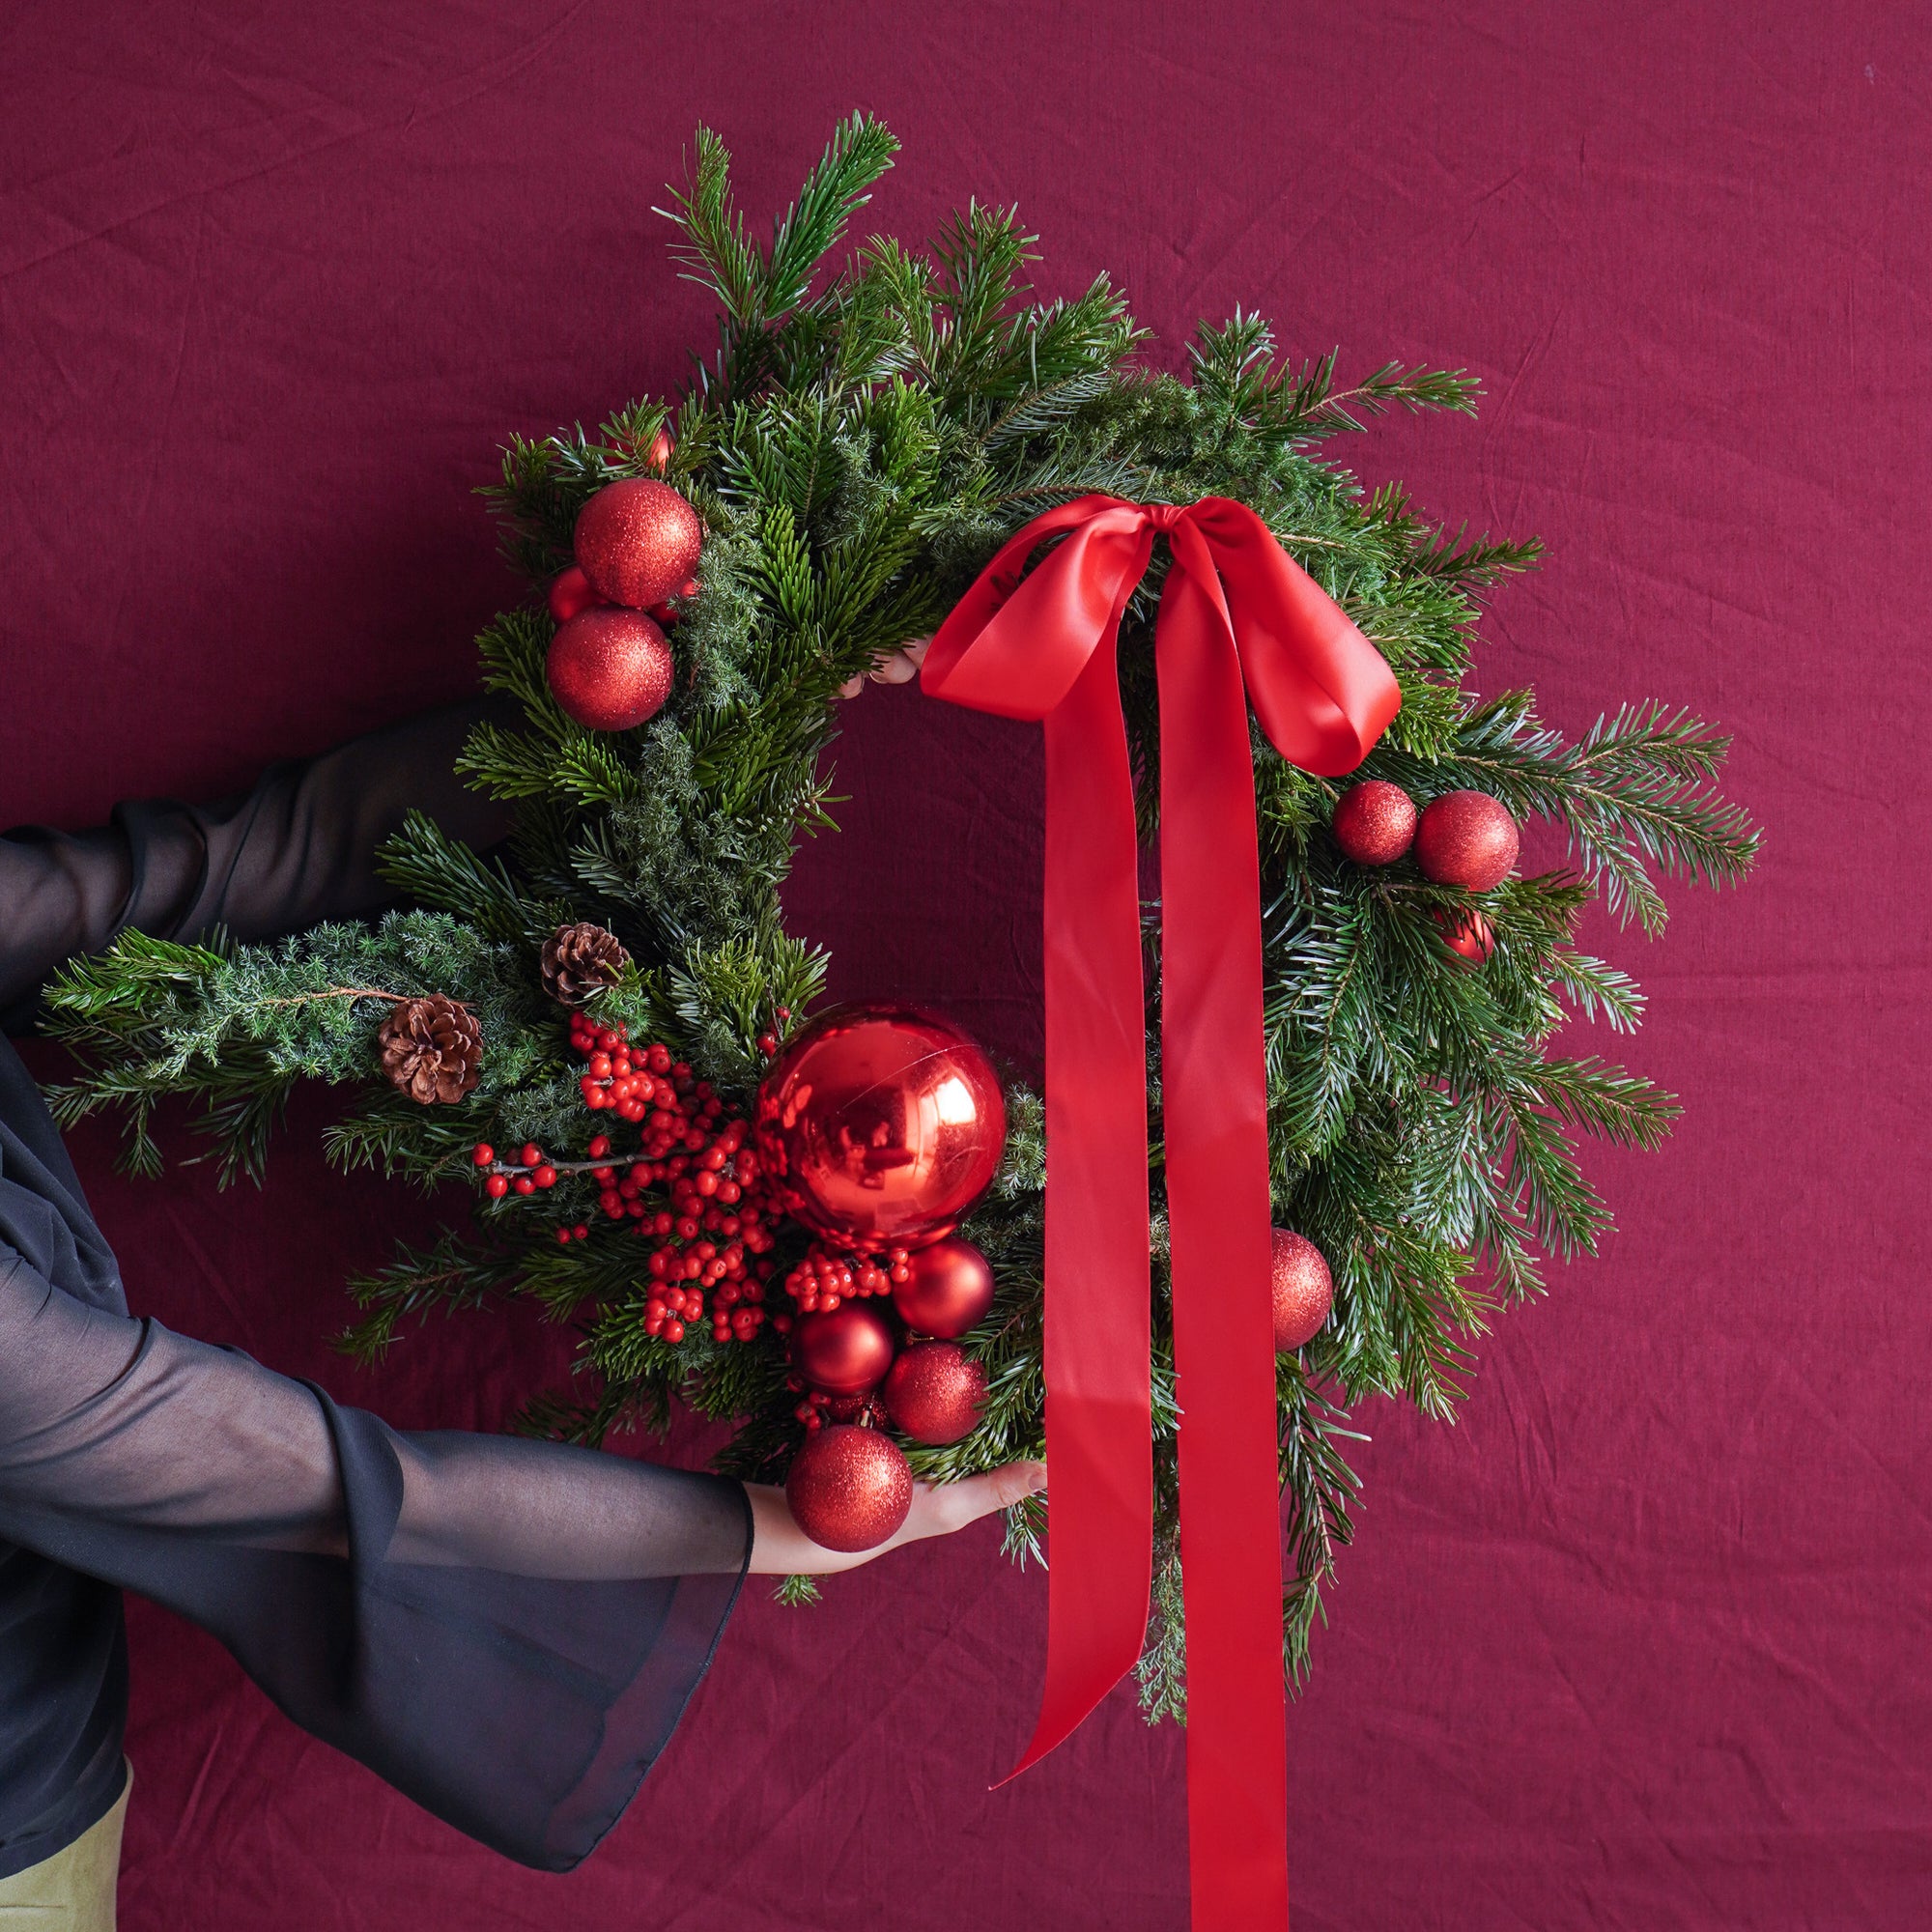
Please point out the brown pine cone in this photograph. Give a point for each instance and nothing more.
(581, 960)
(431, 1049)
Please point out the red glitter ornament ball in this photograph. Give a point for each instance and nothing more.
(610, 670)
(849, 1489)
(879, 1127)
(636, 541)
(1466, 839)
(1374, 822)
(935, 1392)
(1468, 933)
(950, 1286)
(846, 1351)
(1304, 1290)
(570, 593)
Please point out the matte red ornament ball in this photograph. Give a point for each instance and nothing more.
(1467, 932)
(935, 1392)
(844, 1351)
(950, 1288)
(637, 540)
(1375, 822)
(1304, 1290)
(610, 670)
(849, 1489)
(1466, 839)
(570, 592)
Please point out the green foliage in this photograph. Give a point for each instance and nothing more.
(869, 430)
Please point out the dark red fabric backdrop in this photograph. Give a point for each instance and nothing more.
(1644, 1642)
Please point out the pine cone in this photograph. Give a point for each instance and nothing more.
(581, 960)
(431, 1049)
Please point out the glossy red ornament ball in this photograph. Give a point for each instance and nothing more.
(637, 540)
(1374, 822)
(610, 670)
(878, 1127)
(1304, 1290)
(570, 593)
(935, 1392)
(1467, 932)
(846, 1351)
(949, 1289)
(1466, 839)
(849, 1488)
(658, 456)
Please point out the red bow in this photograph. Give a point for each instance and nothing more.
(1236, 608)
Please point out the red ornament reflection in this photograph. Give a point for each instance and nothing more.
(880, 1125)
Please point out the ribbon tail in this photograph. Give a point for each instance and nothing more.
(1214, 1117)
(1098, 1400)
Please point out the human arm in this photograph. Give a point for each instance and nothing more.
(297, 848)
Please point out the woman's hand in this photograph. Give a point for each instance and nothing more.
(781, 1549)
(900, 667)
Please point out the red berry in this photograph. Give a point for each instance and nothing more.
(525, 1185)
(564, 1238)
(580, 1232)
(674, 1331)
(484, 1154)
(532, 1154)
(545, 1175)
(599, 1147)
(497, 1186)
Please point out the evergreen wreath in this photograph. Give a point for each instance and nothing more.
(865, 437)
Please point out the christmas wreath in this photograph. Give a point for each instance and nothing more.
(607, 1034)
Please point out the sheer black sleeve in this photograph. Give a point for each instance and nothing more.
(506, 1631)
(297, 848)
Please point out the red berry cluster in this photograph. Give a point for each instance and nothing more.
(530, 1170)
(714, 1229)
(822, 1280)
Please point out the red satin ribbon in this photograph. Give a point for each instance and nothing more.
(1236, 609)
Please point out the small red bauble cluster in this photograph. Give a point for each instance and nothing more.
(1303, 1289)
(849, 1488)
(636, 542)
(1464, 838)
